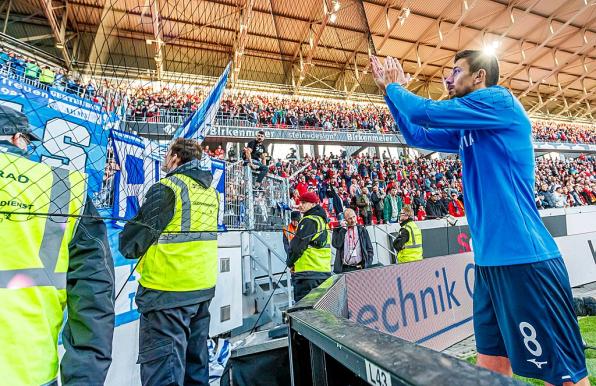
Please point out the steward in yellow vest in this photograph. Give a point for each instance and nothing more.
(408, 242)
(309, 254)
(48, 264)
(47, 76)
(175, 235)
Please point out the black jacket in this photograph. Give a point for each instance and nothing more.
(366, 248)
(145, 228)
(89, 328)
(435, 209)
(307, 230)
(402, 236)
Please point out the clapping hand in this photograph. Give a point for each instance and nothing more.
(391, 72)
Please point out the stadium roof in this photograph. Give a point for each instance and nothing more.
(546, 47)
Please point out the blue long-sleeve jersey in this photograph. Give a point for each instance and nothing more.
(493, 136)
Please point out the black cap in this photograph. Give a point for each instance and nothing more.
(13, 121)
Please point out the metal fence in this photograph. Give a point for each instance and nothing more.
(265, 208)
(235, 207)
(271, 204)
(178, 116)
(244, 208)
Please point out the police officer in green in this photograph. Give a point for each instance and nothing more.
(50, 262)
(175, 235)
(408, 242)
(309, 256)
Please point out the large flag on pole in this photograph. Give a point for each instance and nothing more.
(197, 126)
(140, 159)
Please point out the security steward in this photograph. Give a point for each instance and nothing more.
(408, 242)
(175, 235)
(309, 256)
(50, 262)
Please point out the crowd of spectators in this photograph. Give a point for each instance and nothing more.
(282, 111)
(257, 109)
(550, 131)
(566, 183)
(264, 110)
(377, 188)
(31, 71)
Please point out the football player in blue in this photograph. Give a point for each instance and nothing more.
(524, 321)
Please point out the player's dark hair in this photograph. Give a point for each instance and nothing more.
(262, 132)
(479, 60)
(186, 149)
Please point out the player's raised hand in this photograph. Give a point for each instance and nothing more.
(378, 73)
(394, 73)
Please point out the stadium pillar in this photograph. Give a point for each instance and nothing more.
(354, 150)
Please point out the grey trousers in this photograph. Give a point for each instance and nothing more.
(173, 346)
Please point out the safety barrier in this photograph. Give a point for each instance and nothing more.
(328, 349)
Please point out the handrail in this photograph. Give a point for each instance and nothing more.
(319, 330)
(267, 246)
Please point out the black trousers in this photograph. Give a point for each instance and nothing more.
(173, 346)
(303, 286)
(262, 170)
(350, 268)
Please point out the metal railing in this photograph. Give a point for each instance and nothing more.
(235, 207)
(327, 349)
(178, 116)
(245, 208)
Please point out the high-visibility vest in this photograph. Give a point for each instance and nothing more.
(412, 250)
(184, 258)
(33, 264)
(317, 259)
(47, 76)
(31, 70)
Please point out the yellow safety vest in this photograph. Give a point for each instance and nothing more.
(412, 250)
(47, 76)
(316, 259)
(33, 264)
(31, 70)
(184, 258)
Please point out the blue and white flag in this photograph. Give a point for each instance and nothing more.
(197, 126)
(140, 158)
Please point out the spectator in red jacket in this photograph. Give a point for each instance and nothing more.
(456, 207)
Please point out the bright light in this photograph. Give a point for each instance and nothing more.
(333, 17)
(491, 49)
(336, 6)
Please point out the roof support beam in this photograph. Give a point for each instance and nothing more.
(37, 37)
(563, 64)
(8, 8)
(104, 39)
(586, 96)
(414, 46)
(465, 11)
(534, 57)
(158, 35)
(58, 28)
(314, 43)
(589, 110)
(353, 56)
(509, 9)
(244, 20)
